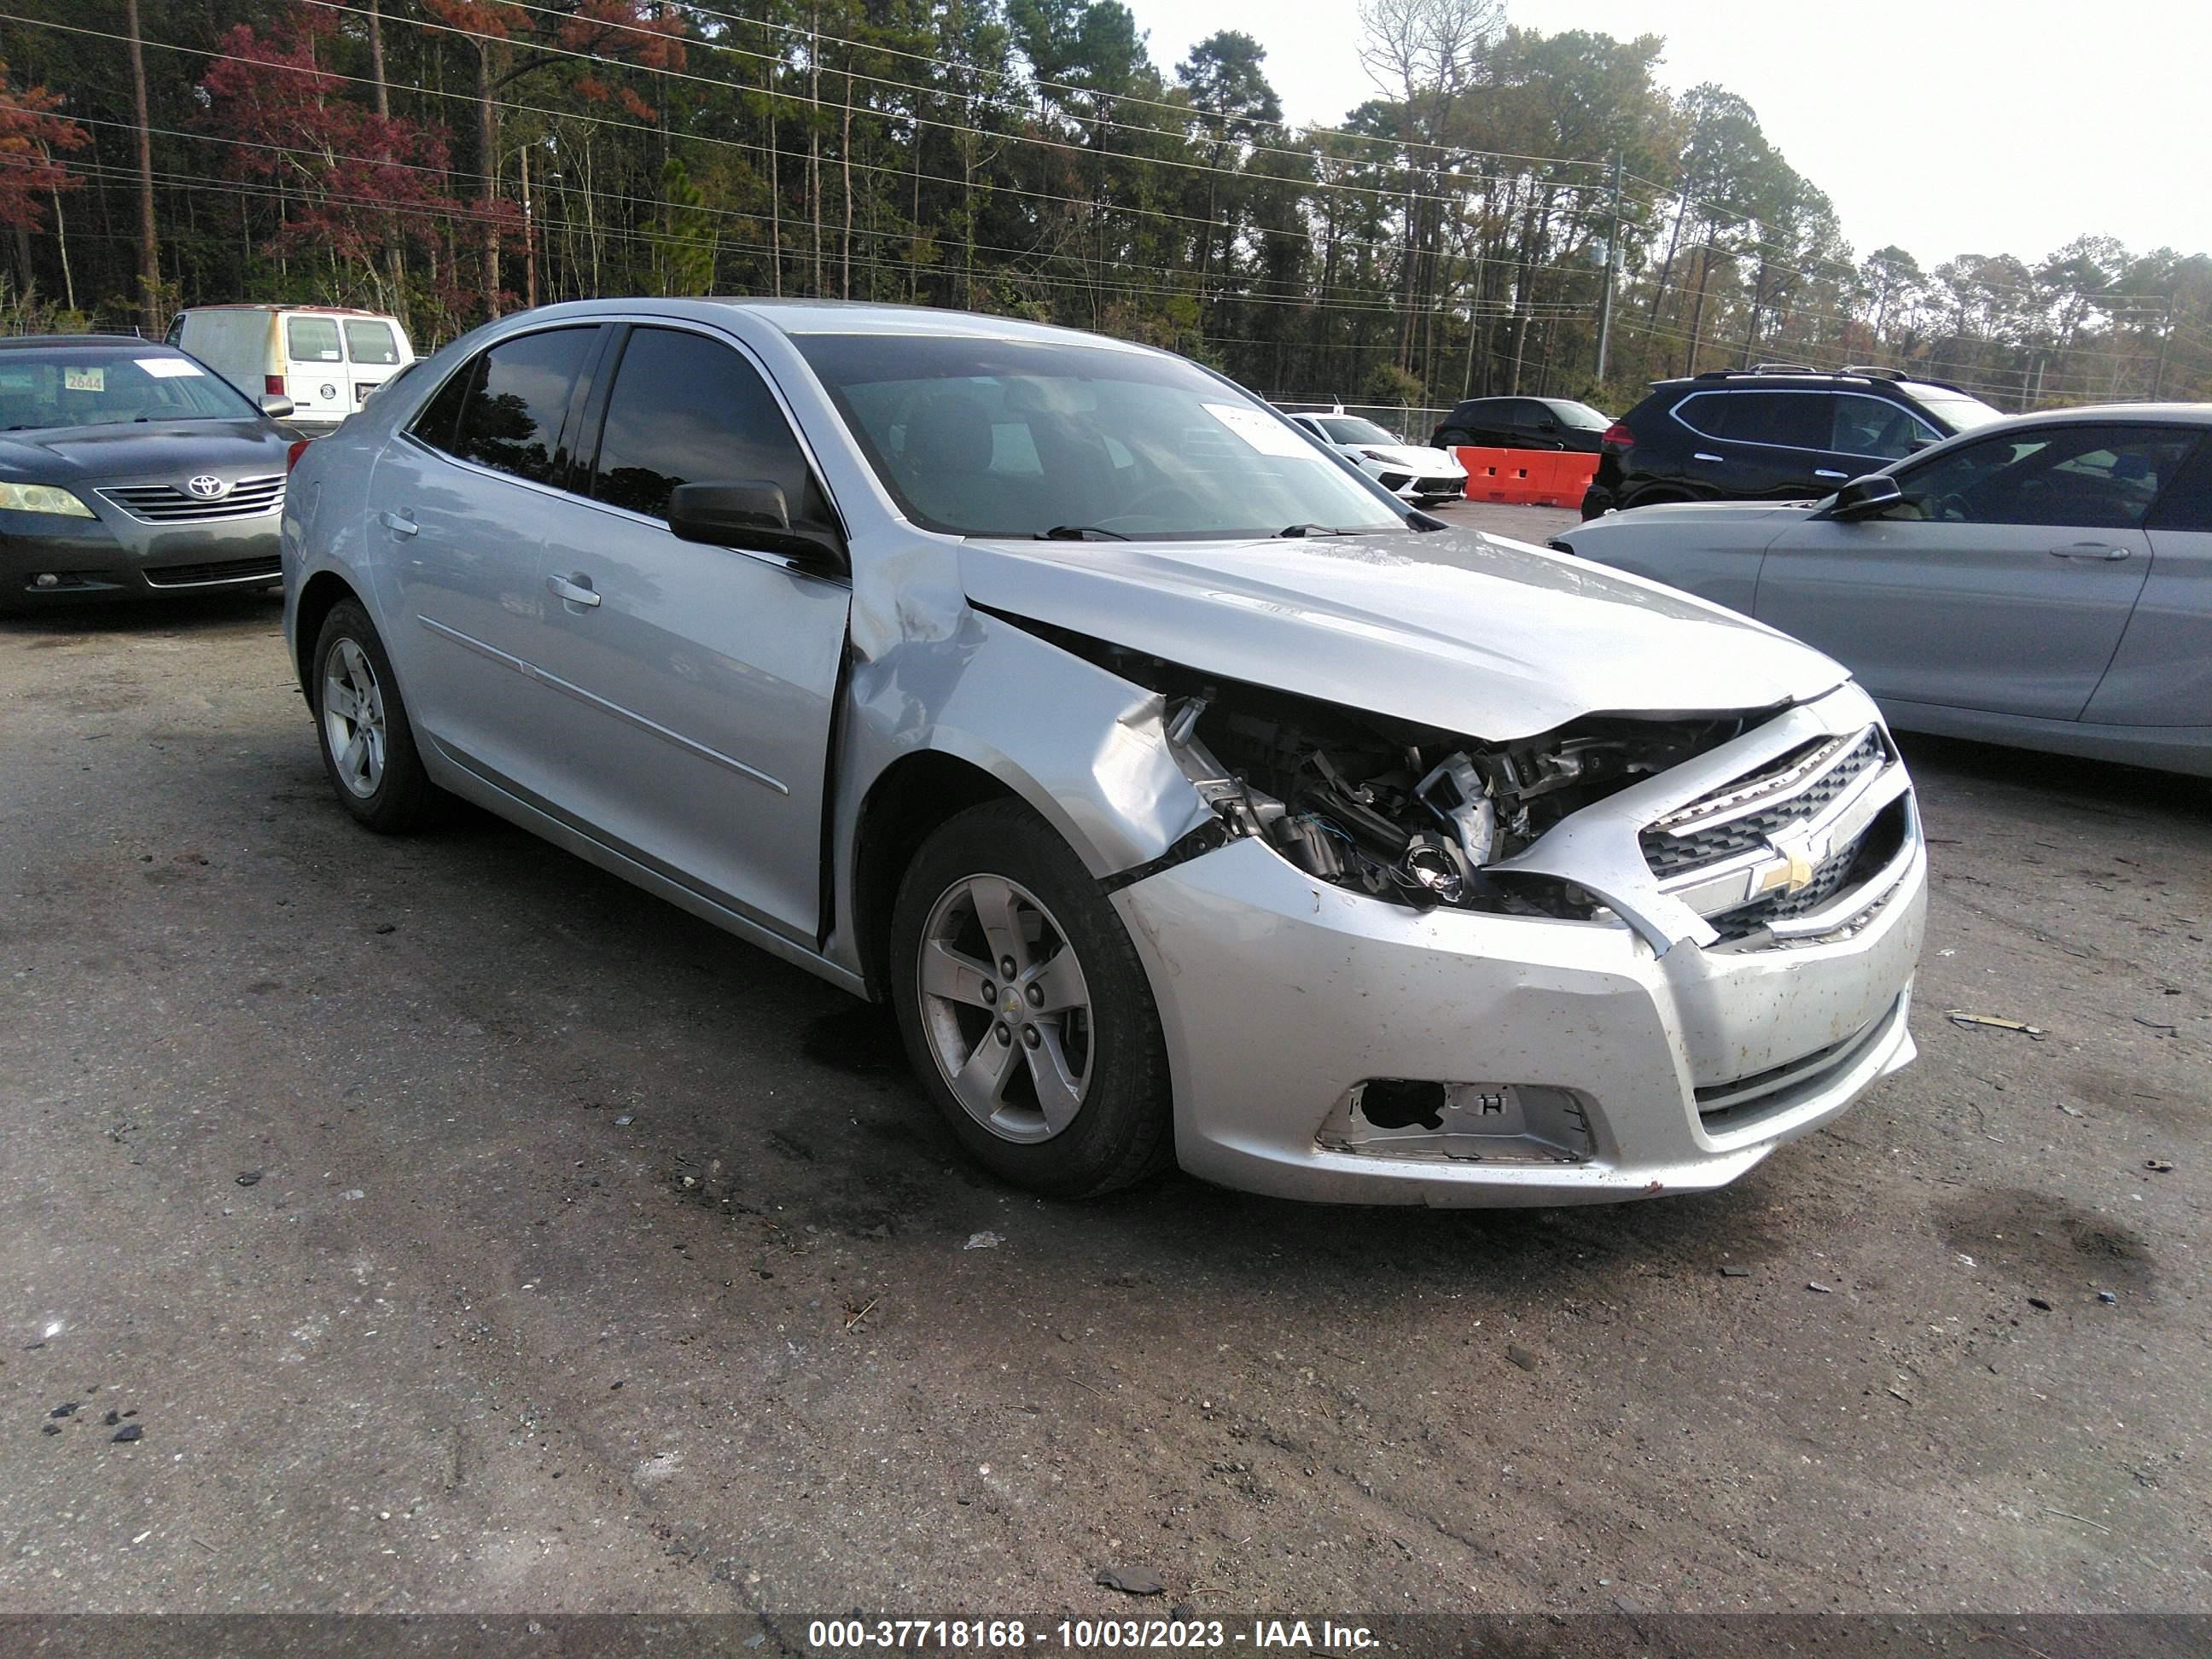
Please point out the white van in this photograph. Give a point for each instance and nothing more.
(326, 359)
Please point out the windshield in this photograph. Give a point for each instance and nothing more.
(985, 437)
(1955, 409)
(1351, 429)
(106, 386)
(1579, 414)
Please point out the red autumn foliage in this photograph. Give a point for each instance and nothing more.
(347, 181)
(30, 135)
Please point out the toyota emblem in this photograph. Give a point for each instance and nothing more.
(207, 488)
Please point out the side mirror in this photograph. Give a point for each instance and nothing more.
(750, 512)
(276, 408)
(1862, 498)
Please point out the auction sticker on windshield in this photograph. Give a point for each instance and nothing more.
(1269, 437)
(84, 379)
(168, 368)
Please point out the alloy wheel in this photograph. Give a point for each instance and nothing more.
(1004, 1008)
(352, 717)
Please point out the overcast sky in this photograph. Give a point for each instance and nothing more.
(1945, 126)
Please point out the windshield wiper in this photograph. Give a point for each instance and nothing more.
(1078, 532)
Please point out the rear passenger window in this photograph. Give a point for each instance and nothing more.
(1791, 419)
(504, 411)
(686, 410)
(312, 339)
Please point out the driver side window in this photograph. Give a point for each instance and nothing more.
(2101, 477)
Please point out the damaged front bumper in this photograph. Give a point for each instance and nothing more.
(1328, 1045)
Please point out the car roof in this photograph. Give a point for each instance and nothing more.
(322, 311)
(109, 342)
(2102, 414)
(1869, 382)
(800, 318)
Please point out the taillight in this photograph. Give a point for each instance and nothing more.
(273, 386)
(292, 455)
(1618, 436)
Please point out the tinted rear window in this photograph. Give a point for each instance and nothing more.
(504, 411)
(1791, 419)
(370, 342)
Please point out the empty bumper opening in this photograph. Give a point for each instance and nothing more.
(1475, 1123)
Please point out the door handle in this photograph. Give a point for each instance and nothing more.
(1700, 455)
(399, 524)
(1829, 472)
(2091, 550)
(575, 593)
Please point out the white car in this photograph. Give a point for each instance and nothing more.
(1412, 471)
(325, 358)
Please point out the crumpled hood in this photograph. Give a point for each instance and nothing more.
(1480, 635)
(140, 449)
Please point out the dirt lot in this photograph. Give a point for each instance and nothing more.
(465, 1230)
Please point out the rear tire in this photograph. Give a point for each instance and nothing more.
(1656, 498)
(362, 729)
(1054, 1076)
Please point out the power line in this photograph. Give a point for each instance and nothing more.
(915, 117)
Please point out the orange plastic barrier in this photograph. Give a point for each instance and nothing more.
(1527, 477)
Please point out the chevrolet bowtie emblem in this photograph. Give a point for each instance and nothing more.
(1792, 869)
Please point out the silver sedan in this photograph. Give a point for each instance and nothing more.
(2045, 581)
(1190, 797)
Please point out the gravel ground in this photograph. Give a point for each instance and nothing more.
(466, 1231)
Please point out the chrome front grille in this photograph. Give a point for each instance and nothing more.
(168, 504)
(1744, 817)
(1788, 849)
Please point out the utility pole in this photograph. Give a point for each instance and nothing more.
(149, 257)
(1611, 262)
(2165, 340)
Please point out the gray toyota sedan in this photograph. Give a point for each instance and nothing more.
(1190, 797)
(128, 469)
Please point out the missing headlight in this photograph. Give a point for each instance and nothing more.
(1406, 813)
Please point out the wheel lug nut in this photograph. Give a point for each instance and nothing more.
(1029, 1035)
(1006, 966)
(1005, 1032)
(990, 992)
(1036, 996)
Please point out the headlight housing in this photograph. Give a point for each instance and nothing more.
(42, 498)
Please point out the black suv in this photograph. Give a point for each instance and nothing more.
(1521, 423)
(1770, 434)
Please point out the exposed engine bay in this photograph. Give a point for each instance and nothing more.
(1406, 812)
(1402, 811)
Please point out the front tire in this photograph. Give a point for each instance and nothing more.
(1025, 1011)
(362, 724)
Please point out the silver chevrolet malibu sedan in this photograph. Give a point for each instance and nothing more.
(1190, 797)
